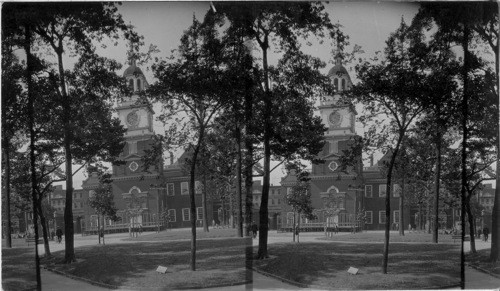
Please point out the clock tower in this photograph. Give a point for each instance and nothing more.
(337, 114)
(136, 114)
(335, 194)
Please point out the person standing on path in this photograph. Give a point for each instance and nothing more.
(486, 232)
(254, 230)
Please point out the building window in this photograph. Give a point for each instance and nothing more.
(289, 218)
(336, 84)
(131, 84)
(172, 215)
(382, 190)
(184, 188)
(396, 190)
(288, 190)
(279, 201)
(381, 217)
(186, 215)
(369, 217)
(199, 213)
(396, 216)
(343, 84)
(132, 147)
(198, 187)
(368, 191)
(170, 189)
(139, 85)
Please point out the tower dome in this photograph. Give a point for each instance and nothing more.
(134, 75)
(133, 69)
(339, 75)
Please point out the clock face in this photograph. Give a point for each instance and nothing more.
(333, 166)
(133, 119)
(133, 166)
(335, 119)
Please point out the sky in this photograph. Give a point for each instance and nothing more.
(368, 24)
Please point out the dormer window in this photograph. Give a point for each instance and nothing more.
(336, 84)
(343, 84)
(131, 84)
(139, 85)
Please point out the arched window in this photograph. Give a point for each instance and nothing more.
(131, 84)
(336, 84)
(343, 84)
(139, 85)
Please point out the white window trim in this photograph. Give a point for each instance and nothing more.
(371, 191)
(370, 215)
(186, 187)
(189, 214)
(380, 215)
(396, 194)
(199, 210)
(174, 216)
(173, 189)
(396, 216)
(198, 188)
(380, 187)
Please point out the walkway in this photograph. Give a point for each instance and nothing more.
(51, 281)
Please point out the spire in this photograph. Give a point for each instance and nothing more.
(131, 56)
(338, 55)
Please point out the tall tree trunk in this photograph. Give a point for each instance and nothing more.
(192, 172)
(69, 255)
(428, 217)
(99, 228)
(470, 218)
(293, 226)
(263, 213)
(401, 208)
(45, 231)
(103, 228)
(465, 71)
(204, 203)
(31, 108)
(6, 156)
(239, 209)
(388, 204)
(437, 184)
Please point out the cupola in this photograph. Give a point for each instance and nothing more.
(134, 75)
(339, 75)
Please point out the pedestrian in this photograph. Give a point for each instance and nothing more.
(479, 232)
(486, 232)
(336, 228)
(254, 229)
(297, 229)
(59, 235)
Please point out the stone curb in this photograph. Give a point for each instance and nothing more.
(300, 285)
(483, 270)
(104, 285)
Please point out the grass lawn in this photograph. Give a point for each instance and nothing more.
(186, 234)
(134, 265)
(481, 259)
(18, 268)
(411, 266)
(394, 237)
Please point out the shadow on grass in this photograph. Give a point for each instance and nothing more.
(411, 266)
(18, 269)
(219, 262)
